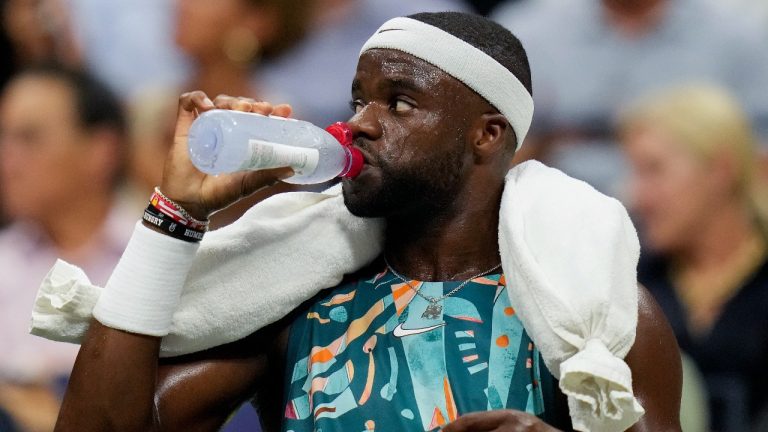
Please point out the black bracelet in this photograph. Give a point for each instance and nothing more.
(171, 227)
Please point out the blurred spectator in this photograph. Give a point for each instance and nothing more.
(39, 30)
(694, 406)
(704, 221)
(226, 38)
(33, 31)
(7, 68)
(30, 407)
(151, 119)
(61, 154)
(6, 423)
(589, 57)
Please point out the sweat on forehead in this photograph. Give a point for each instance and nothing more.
(402, 68)
(474, 67)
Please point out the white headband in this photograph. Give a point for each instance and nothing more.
(479, 71)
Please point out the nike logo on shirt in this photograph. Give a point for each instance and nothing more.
(399, 331)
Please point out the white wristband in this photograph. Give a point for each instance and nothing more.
(144, 290)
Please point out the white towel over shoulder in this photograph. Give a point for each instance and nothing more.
(569, 255)
(244, 277)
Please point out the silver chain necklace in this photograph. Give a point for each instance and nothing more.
(434, 309)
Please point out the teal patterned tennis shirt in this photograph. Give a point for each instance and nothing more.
(369, 356)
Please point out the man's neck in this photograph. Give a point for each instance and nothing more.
(453, 243)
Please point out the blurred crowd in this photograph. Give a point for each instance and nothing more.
(662, 104)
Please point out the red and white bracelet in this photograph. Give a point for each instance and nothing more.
(170, 208)
(170, 218)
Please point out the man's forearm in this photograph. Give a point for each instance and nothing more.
(112, 386)
(113, 383)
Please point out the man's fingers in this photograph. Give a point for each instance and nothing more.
(242, 104)
(223, 101)
(190, 105)
(251, 105)
(478, 421)
(282, 110)
(497, 420)
(195, 101)
(264, 108)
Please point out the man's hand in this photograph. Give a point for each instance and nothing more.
(201, 194)
(500, 421)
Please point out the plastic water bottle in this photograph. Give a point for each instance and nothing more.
(224, 141)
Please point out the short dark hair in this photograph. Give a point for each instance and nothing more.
(487, 36)
(95, 103)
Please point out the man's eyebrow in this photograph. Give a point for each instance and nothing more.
(391, 84)
(402, 84)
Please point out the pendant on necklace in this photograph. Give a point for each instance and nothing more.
(433, 311)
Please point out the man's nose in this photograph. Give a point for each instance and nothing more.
(366, 123)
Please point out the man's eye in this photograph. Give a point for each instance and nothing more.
(402, 106)
(356, 105)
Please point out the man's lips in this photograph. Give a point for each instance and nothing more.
(367, 158)
(369, 166)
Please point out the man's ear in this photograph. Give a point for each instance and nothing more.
(489, 137)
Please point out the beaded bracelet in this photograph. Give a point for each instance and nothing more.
(173, 210)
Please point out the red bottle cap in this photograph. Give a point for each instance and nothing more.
(354, 164)
(342, 132)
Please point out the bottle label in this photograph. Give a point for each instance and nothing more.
(265, 154)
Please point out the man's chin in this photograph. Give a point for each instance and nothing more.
(361, 203)
(363, 210)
